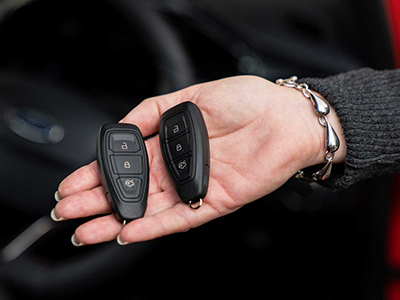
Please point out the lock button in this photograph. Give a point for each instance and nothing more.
(127, 164)
(122, 142)
(178, 147)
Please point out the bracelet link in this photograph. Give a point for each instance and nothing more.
(332, 140)
(322, 109)
(320, 106)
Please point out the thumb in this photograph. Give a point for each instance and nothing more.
(147, 114)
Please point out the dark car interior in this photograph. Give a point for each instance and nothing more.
(68, 67)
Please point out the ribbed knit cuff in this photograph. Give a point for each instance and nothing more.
(367, 103)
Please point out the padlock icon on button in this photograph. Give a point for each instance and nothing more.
(127, 165)
(124, 146)
(176, 129)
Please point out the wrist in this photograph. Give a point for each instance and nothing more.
(300, 129)
(313, 135)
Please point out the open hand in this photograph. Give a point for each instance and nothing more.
(260, 135)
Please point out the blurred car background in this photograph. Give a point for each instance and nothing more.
(67, 67)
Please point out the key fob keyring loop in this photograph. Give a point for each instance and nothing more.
(196, 205)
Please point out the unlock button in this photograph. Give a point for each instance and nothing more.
(175, 126)
(122, 142)
(127, 164)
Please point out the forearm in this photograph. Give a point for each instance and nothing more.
(367, 103)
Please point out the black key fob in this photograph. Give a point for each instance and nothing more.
(124, 169)
(186, 151)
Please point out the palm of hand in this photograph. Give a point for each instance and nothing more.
(251, 155)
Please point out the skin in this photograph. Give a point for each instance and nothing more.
(260, 134)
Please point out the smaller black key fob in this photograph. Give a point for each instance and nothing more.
(124, 169)
(186, 151)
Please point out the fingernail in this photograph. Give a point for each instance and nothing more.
(75, 242)
(54, 216)
(120, 242)
(57, 196)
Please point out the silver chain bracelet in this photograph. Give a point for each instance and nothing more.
(321, 108)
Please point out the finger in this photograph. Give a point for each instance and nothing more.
(83, 204)
(98, 230)
(147, 114)
(85, 178)
(179, 218)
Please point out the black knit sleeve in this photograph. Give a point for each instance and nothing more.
(367, 103)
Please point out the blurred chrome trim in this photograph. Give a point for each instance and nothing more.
(27, 238)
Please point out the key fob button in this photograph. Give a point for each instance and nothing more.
(175, 125)
(182, 168)
(127, 164)
(122, 142)
(130, 187)
(178, 147)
